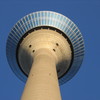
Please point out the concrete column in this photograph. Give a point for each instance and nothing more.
(42, 83)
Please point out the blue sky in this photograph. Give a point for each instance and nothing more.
(86, 15)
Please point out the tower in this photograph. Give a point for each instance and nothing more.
(48, 48)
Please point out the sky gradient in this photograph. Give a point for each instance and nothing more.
(86, 15)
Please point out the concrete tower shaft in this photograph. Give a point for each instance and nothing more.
(42, 82)
(42, 50)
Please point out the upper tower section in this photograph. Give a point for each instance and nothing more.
(56, 23)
